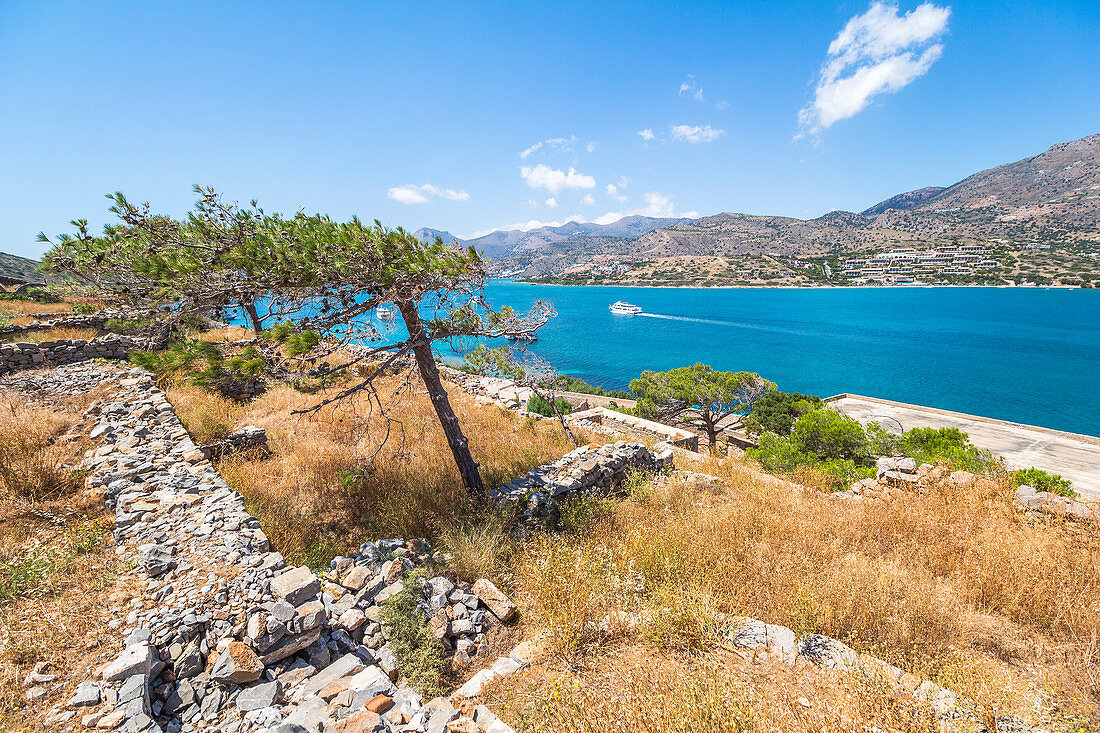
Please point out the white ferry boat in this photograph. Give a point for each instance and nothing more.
(386, 312)
(621, 308)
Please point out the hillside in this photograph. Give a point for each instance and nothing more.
(1037, 220)
(18, 267)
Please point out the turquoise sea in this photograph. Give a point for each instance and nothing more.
(1030, 355)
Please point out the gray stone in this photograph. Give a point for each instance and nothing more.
(348, 664)
(496, 601)
(259, 696)
(295, 585)
(87, 694)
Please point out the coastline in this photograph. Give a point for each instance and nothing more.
(787, 287)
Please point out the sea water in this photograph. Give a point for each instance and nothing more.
(1029, 355)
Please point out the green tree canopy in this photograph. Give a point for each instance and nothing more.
(321, 278)
(698, 395)
(776, 411)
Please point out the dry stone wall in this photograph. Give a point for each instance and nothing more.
(538, 493)
(225, 636)
(26, 355)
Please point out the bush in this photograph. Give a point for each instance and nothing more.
(1040, 480)
(128, 326)
(204, 364)
(418, 653)
(84, 309)
(950, 447)
(830, 435)
(33, 295)
(575, 384)
(776, 411)
(539, 406)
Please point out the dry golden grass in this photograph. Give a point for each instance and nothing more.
(55, 566)
(954, 585)
(207, 417)
(226, 334)
(32, 465)
(55, 334)
(30, 308)
(631, 688)
(321, 494)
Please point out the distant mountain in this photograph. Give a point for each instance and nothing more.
(1051, 199)
(427, 234)
(506, 241)
(19, 267)
(905, 201)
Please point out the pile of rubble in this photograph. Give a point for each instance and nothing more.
(588, 468)
(225, 636)
(249, 439)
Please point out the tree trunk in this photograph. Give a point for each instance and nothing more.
(425, 362)
(250, 310)
(561, 417)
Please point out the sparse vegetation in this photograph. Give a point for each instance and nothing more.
(1040, 480)
(419, 654)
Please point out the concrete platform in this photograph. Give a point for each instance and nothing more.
(1074, 456)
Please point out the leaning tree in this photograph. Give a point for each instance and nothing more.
(698, 395)
(321, 278)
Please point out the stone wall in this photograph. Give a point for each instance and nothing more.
(612, 422)
(224, 635)
(538, 493)
(26, 355)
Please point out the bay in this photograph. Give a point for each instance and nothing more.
(1029, 355)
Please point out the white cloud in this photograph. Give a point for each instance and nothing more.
(531, 149)
(646, 134)
(588, 200)
(877, 52)
(554, 180)
(613, 192)
(411, 194)
(690, 87)
(722, 105)
(561, 144)
(695, 133)
(552, 202)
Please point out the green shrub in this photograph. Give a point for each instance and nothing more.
(540, 406)
(575, 384)
(949, 447)
(128, 326)
(830, 435)
(779, 454)
(204, 364)
(84, 309)
(1040, 480)
(418, 653)
(33, 295)
(776, 411)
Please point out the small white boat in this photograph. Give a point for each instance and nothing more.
(621, 308)
(385, 312)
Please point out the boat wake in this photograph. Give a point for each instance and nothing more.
(731, 324)
(694, 320)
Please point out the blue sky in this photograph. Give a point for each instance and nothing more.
(418, 113)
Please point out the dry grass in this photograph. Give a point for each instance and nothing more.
(55, 567)
(30, 308)
(321, 493)
(955, 585)
(32, 465)
(55, 334)
(227, 334)
(208, 417)
(633, 689)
